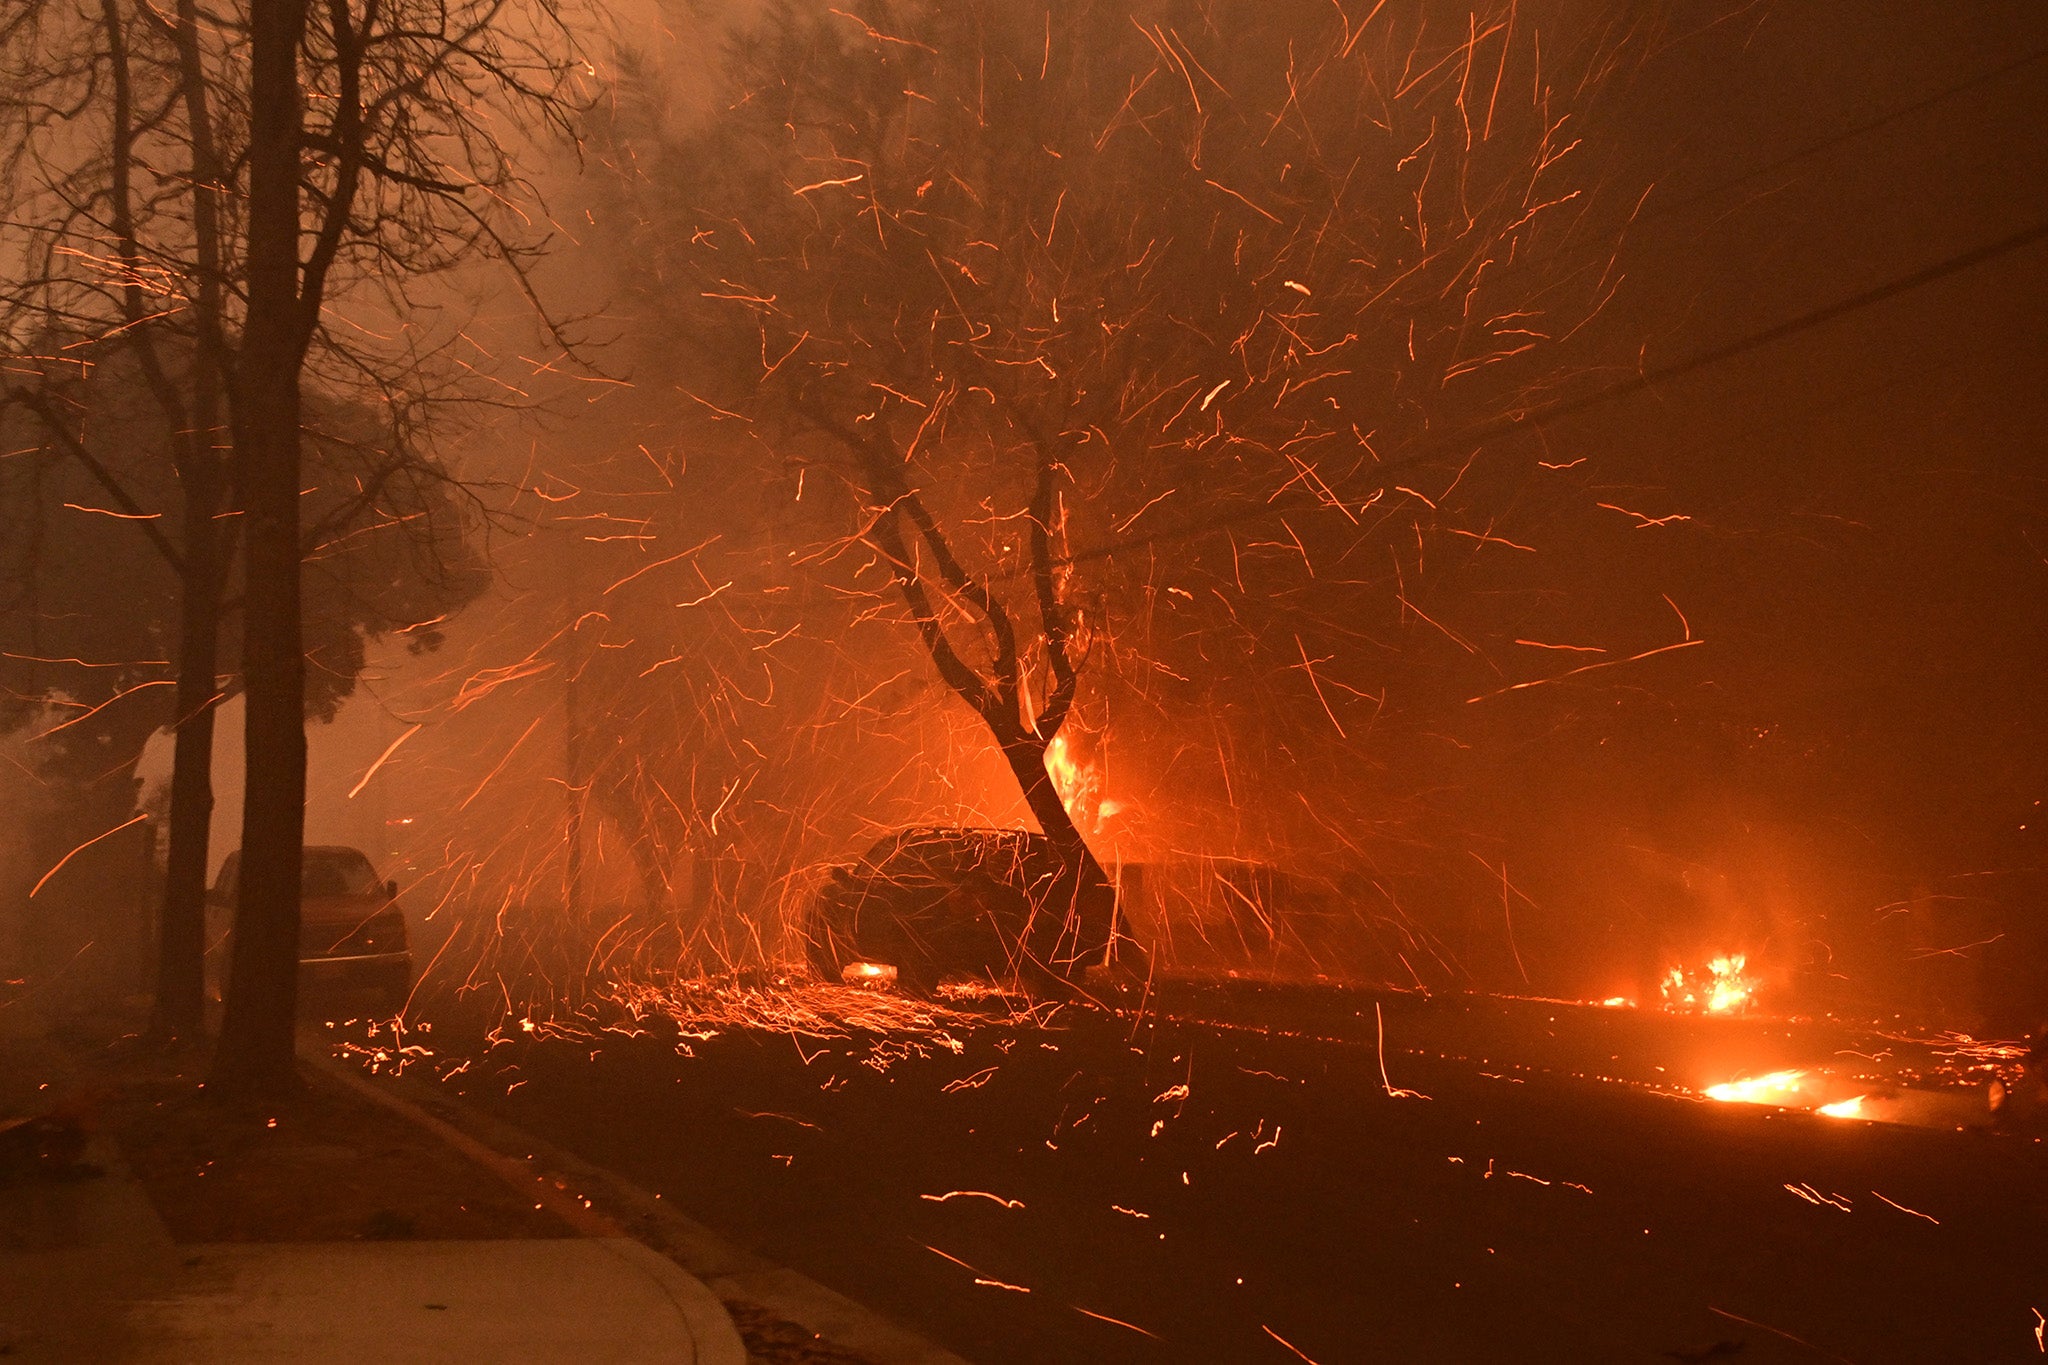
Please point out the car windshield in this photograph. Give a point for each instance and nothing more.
(338, 872)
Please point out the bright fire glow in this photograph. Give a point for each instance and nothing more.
(1791, 1089)
(1079, 786)
(1725, 987)
(1779, 1087)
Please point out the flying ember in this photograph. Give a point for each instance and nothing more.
(840, 680)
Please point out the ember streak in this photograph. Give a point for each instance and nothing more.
(1367, 672)
(942, 431)
(1115, 1185)
(1222, 403)
(1216, 679)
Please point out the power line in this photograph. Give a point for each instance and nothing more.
(1542, 416)
(1537, 418)
(1656, 210)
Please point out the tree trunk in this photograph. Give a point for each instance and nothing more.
(181, 934)
(1083, 897)
(256, 1052)
(181, 944)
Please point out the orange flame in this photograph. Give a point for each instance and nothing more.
(1793, 1088)
(1079, 785)
(1779, 1087)
(1725, 987)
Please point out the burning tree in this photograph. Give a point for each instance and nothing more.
(1068, 297)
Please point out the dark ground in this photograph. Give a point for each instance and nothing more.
(1091, 1188)
(325, 1166)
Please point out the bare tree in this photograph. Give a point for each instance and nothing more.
(1063, 292)
(97, 172)
(95, 601)
(176, 193)
(399, 174)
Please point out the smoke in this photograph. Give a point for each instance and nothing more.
(683, 700)
(22, 803)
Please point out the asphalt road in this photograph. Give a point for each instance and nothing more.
(1494, 1182)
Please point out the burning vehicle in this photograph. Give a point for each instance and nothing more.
(352, 935)
(938, 904)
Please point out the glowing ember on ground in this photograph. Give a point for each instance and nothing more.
(1851, 1108)
(1964, 1050)
(1725, 987)
(703, 1007)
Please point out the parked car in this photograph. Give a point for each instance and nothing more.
(2021, 1105)
(939, 903)
(352, 937)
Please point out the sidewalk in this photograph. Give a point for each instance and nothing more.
(89, 1272)
(786, 1318)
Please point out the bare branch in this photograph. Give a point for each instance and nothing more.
(78, 450)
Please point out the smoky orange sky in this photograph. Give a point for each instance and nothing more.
(1841, 773)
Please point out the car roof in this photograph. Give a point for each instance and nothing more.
(953, 835)
(963, 832)
(313, 848)
(234, 855)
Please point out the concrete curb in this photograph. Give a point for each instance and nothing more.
(729, 1272)
(710, 1326)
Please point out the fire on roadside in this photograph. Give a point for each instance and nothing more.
(1792, 1088)
(1778, 1087)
